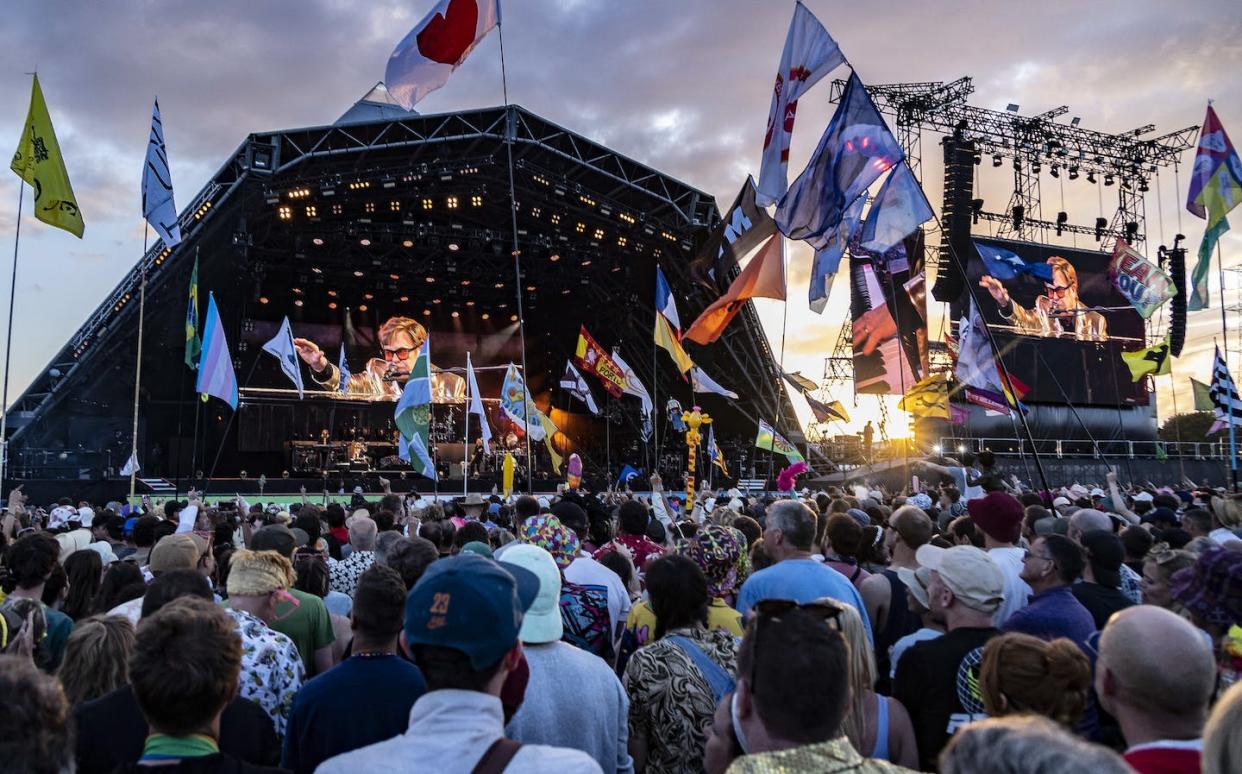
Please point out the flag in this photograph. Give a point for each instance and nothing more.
(668, 326)
(674, 409)
(476, 405)
(351, 334)
(157, 190)
(768, 438)
(826, 412)
(928, 398)
(714, 454)
(281, 347)
(38, 162)
(1005, 265)
(1203, 395)
(701, 382)
(855, 150)
(1223, 392)
(549, 430)
(506, 474)
(763, 277)
(192, 343)
(1216, 182)
(1152, 360)
(577, 386)
(1215, 189)
(425, 58)
(628, 474)
(958, 415)
(515, 402)
(899, 208)
(595, 360)
(413, 413)
(975, 364)
(744, 227)
(343, 368)
(131, 466)
(634, 387)
(810, 53)
(803, 383)
(215, 366)
(1143, 283)
(828, 258)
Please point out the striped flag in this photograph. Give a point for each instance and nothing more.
(668, 324)
(158, 206)
(215, 365)
(1224, 393)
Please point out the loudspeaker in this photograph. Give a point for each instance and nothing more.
(1177, 305)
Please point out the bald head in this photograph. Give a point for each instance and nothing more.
(1087, 519)
(1155, 663)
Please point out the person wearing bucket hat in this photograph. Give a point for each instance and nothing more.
(463, 621)
(560, 674)
(1210, 590)
(272, 670)
(937, 680)
(1226, 519)
(999, 516)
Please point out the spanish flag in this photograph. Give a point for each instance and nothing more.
(38, 162)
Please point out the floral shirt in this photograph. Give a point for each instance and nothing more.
(1131, 585)
(345, 573)
(671, 704)
(271, 669)
(640, 626)
(641, 547)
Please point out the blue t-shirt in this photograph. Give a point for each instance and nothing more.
(1051, 614)
(803, 581)
(362, 700)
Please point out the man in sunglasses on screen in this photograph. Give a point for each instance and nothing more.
(1059, 312)
(400, 340)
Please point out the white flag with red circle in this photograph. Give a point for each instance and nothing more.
(425, 58)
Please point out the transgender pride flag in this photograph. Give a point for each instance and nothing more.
(215, 366)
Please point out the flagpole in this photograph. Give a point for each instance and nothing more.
(142, 304)
(608, 434)
(1224, 335)
(8, 344)
(465, 468)
(510, 130)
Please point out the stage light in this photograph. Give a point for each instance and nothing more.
(1054, 171)
(1100, 225)
(937, 448)
(435, 300)
(312, 211)
(476, 201)
(297, 290)
(403, 299)
(499, 285)
(530, 288)
(622, 241)
(407, 243)
(455, 315)
(428, 204)
(357, 272)
(465, 283)
(599, 234)
(470, 303)
(1143, 186)
(368, 296)
(451, 202)
(1073, 173)
(332, 293)
(1017, 165)
(1075, 121)
(317, 270)
(1018, 214)
(317, 241)
(1062, 219)
(364, 242)
(1011, 107)
(513, 318)
(1131, 231)
(554, 257)
(580, 228)
(961, 448)
(565, 292)
(426, 313)
(453, 247)
(368, 207)
(586, 262)
(362, 307)
(263, 299)
(996, 159)
(978, 159)
(284, 212)
(486, 316)
(429, 280)
(1108, 180)
(1036, 167)
(331, 304)
(394, 277)
(394, 206)
(1090, 177)
(297, 302)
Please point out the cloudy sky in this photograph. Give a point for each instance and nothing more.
(683, 86)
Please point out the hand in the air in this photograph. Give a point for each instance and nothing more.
(311, 354)
(993, 286)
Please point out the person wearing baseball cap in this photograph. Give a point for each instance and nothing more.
(463, 621)
(1099, 590)
(937, 680)
(560, 674)
(999, 516)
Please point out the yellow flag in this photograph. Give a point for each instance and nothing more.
(928, 398)
(39, 163)
(550, 430)
(1151, 360)
(665, 338)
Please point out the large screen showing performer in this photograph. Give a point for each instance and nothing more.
(888, 313)
(1058, 320)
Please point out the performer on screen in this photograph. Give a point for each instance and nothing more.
(1056, 313)
(400, 340)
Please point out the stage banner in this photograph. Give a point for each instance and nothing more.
(1143, 283)
(595, 360)
(888, 293)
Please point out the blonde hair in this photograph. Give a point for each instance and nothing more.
(862, 672)
(1021, 674)
(255, 573)
(96, 658)
(1222, 746)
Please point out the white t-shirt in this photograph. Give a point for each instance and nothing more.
(902, 645)
(1222, 535)
(1017, 592)
(960, 477)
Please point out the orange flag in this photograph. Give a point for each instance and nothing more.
(763, 277)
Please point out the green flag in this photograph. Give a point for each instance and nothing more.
(193, 345)
(413, 414)
(1203, 395)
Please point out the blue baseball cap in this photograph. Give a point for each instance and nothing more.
(472, 604)
(129, 524)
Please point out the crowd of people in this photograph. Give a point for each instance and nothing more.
(972, 626)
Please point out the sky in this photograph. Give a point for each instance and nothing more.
(682, 86)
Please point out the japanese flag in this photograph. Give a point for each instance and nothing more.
(423, 61)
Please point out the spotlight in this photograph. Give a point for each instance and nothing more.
(364, 242)
(1108, 180)
(513, 318)
(1036, 167)
(331, 304)
(1131, 231)
(1100, 225)
(996, 160)
(453, 247)
(455, 315)
(978, 159)
(357, 273)
(426, 313)
(1143, 186)
(429, 280)
(1019, 214)
(1090, 177)
(961, 448)
(937, 448)
(362, 307)
(486, 316)
(1073, 173)
(1062, 219)
(407, 243)
(1054, 171)
(554, 257)
(263, 299)
(1017, 165)
(317, 241)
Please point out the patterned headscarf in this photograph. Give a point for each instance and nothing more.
(547, 532)
(1212, 587)
(720, 552)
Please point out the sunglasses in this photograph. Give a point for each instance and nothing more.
(400, 353)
